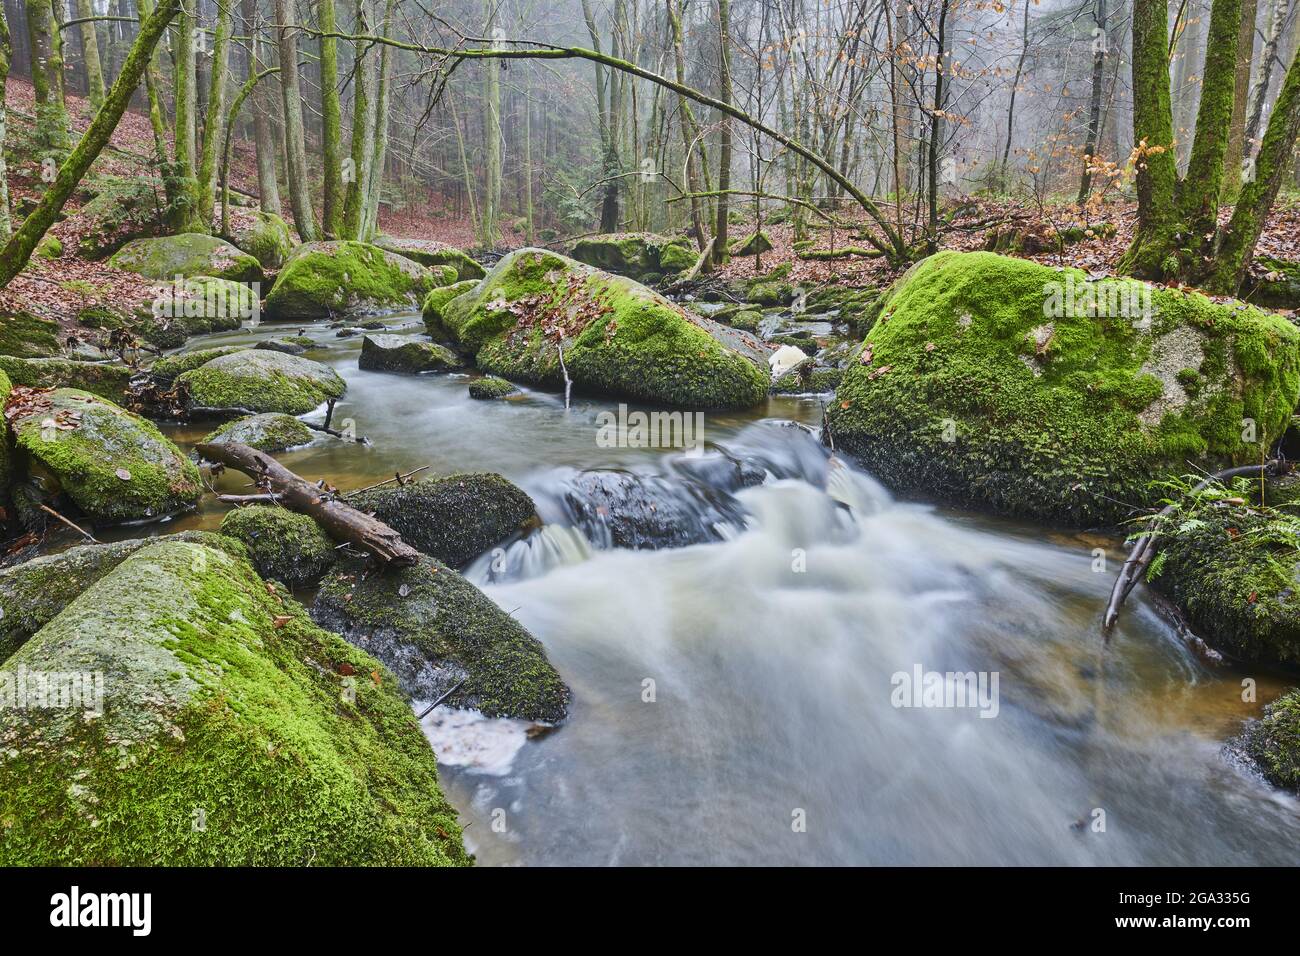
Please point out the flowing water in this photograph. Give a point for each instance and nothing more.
(733, 698)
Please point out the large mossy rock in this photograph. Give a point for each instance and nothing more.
(454, 519)
(114, 465)
(28, 336)
(121, 209)
(283, 545)
(636, 255)
(222, 705)
(1004, 385)
(269, 432)
(197, 306)
(261, 381)
(435, 630)
(264, 236)
(34, 592)
(169, 367)
(188, 254)
(401, 353)
(436, 301)
(324, 279)
(106, 379)
(620, 338)
(430, 252)
(1273, 741)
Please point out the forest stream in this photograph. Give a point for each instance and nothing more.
(732, 698)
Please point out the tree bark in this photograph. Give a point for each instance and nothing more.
(53, 131)
(1231, 187)
(1267, 58)
(6, 56)
(294, 144)
(90, 54)
(331, 125)
(724, 136)
(340, 521)
(1099, 17)
(18, 250)
(268, 186)
(216, 114)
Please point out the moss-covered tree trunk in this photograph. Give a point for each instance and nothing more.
(1241, 91)
(268, 186)
(18, 250)
(53, 131)
(331, 124)
(90, 54)
(151, 82)
(294, 144)
(1154, 240)
(184, 213)
(489, 225)
(214, 121)
(1199, 192)
(724, 135)
(6, 56)
(1267, 57)
(370, 222)
(1237, 245)
(363, 126)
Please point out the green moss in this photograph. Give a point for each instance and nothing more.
(752, 244)
(198, 306)
(268, 432)
(34, 592)
(977, 391)
(430, 252)
(399, 353)
(768, 293)
(490, 387)
(188, 254)
(435, 630)
(323, 279)
(454, 519)
(621, 338)
(170, 366)
(746, 320)
(799, 381)
(636, 255)
(49, 248)
(266, 237)
(436, 301)
(261, 381)
(284, 546)
(1273, 741)
(28, 336)
(105, 379)
(224, 704)
(113, 464)
(121, 209)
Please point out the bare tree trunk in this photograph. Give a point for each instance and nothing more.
(1241, 91)
(295, 146)
(268, 186)
(6, 56)
(216, 113)
(724, 136)
(1267, 60)
(90, 55)
(1099, 41)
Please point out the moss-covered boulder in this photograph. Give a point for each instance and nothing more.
(106, 379)
(434, 303)
(1235, 574)
(120, 210)
(269, 432)
(28, 336)
(283, 545)
(196, 306)
(806, 378)
(324, 279)
(619, 338)
(114, 465)
(1001, 384)
(170, 366)
(34, 592)
(231, 731)
(264, 236)
(1273, 741)
(456, 518)
(261, 381)
(435, 631)
(636, 255)
(401, 353)
(49, 248)
(489, 387)
(188, 254)
(430, 252)
(753, 244)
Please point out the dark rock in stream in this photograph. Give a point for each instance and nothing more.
(439, 635)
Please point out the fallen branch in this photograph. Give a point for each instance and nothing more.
(1144, 549)
(399, 478)
(77, 528)
(338, 519)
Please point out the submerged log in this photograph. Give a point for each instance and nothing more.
(339, 520)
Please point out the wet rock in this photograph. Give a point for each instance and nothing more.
(400, 353)
(324, 279)
(1273, 741)
(269, 432)
(636, 255)
(108, 380)
(114, 465)
(435, 631)
(264, 236)
(169, 367)
(430, 252)
(261, 381)
(220, 695)
(283, 545)
(456, 518)
(490, 387)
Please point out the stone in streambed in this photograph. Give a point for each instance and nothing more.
(269, 432)
(401, 353)
(188, 254)
(283, 545)
(261, 381)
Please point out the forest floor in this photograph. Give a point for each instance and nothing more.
(59, 288)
